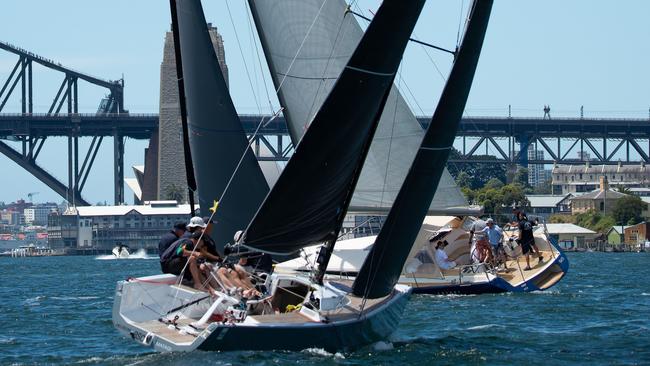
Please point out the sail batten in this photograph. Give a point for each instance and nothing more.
(216, 137)
(308, 202)
(383, 265)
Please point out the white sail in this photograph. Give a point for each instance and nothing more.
(307, 43)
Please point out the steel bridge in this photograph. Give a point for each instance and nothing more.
(481, 139)
(29, 128)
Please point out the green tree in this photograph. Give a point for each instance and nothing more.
(479, 173)
(544, 188)
(174, 192)
(628, 210)
(521, 177)
(463, 180)
(494, 183)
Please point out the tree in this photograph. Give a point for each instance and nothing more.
(521, 177)
(463, 180)
(174, 192)
(494, 183)
(623, 189)
(628, 209)
(544, 188)
(479, 173)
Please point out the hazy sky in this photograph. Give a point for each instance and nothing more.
(561, 53)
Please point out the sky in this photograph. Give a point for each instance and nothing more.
(565, 54)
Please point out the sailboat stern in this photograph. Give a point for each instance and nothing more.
(141, 309)
(350, 327)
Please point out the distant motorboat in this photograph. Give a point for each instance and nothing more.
(121, 252)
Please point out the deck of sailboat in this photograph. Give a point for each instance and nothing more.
(351, 311)
(167, 332)
(516, 273)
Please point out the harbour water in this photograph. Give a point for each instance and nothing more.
(57, 310)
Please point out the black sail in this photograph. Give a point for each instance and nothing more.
(381, 269)
(308, 202)
(217, 139)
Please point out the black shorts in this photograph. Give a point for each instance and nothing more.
(526, 247)
(175, 266)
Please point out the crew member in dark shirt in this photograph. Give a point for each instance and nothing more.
(526, 238)
(170, 237)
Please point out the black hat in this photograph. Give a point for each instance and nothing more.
(180, 225)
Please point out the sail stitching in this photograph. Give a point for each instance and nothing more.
(378, 73)
(436, 148)
(301, 45)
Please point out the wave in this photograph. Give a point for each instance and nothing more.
(139, 254)
(485, 326)
(7, 340)
(383, 346)
(34, 301)
(67, 298)
(323, 353)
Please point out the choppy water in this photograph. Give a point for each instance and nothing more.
(57, 310)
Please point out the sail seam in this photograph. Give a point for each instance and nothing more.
(435, 148)
(370, 71)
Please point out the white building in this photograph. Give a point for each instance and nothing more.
(586, 178)
(569, 236)
(37, 215)
(100, 228)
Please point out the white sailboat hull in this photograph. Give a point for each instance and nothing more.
(467, 278)
(139, 303)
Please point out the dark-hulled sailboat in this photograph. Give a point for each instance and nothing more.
(306, 206)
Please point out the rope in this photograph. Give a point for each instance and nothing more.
(180, 278)
(257, 51)
(250, 81)
(390, 144)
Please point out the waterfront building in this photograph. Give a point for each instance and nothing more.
(570, 236)
(637, 234)
(545, 205)
(601, 200)
(577, 179)
(100, 228)
(615, 235)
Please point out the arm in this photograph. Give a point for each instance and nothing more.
(209, 256)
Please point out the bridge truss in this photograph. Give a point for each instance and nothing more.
(32, 139)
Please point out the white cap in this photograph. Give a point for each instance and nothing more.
(237, 236)
(196, 222)
(489, 221)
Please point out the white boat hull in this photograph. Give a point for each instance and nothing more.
(139, 303)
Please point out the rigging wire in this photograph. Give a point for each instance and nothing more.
(390, 142)
(323, 78)
(257, 51)
(241, 52)
(241, 159)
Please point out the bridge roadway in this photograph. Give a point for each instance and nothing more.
(140, 126)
